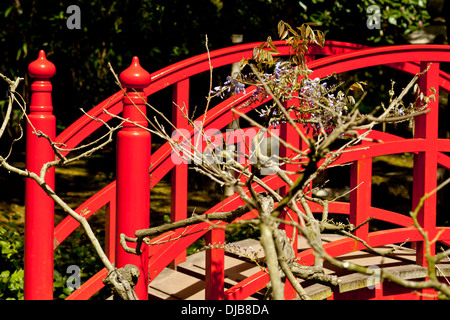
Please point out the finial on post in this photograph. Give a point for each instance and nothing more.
(41, 68)
(135, 76)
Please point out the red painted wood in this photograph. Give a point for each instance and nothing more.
(360, 197)
(179, 182)
(39, 211)
(247, 287)
(258, 281)
(90, 287)
(288, 133)
(110, 230)
(378, 56)
(90, 207)
(389, 146)
(425, 162)
(184, 69)
(132, 172)
(215, 266)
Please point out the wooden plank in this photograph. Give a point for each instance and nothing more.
(236, 269)
(173, 285)
(187, 281)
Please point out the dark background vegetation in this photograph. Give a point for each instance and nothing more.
(162, 32)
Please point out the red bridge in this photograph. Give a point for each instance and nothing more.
(127, 199)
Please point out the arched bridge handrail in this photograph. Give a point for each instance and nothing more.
(392, 144)
(163, 78)
(221, 57)
(395, 56)
(166, 77)
(162, 164)
(384, 55)
(160, 253)
(161, 158)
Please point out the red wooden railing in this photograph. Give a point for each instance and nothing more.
(340, 57)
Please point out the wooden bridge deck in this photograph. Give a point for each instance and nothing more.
(187, 281)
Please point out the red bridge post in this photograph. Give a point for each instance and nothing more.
(215, 266)
(361, 196)
(179, 173)
(133, 164)
(39, 209)
(425, 163)
(290, 135)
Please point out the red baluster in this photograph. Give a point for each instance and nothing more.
(110, 231)
(425, 163)
(290, 135)
(39, 210)
(133, 179)
(361, 196)
(179, 184)
(215, 266)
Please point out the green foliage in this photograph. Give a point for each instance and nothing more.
(11, 262)
(236, 232)
(60, 288)
(399, 17)
(345, 20)
(75, 250)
